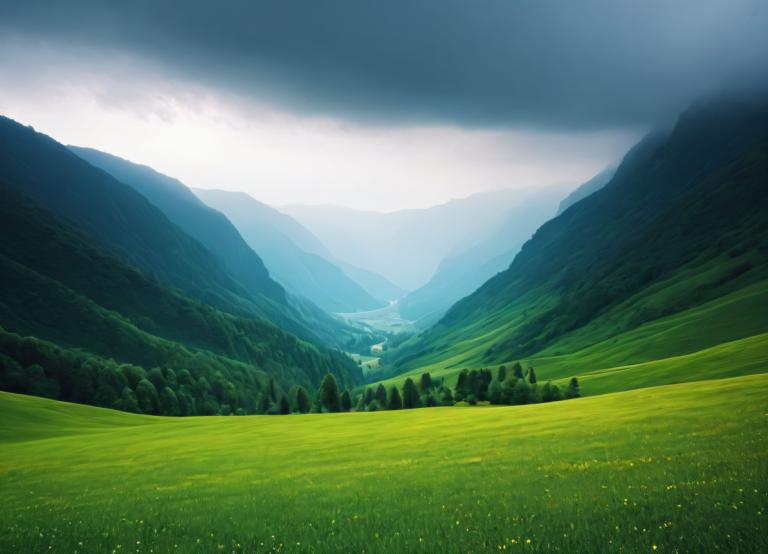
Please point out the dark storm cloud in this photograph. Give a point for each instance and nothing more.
(559, 64)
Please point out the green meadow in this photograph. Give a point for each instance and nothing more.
(679, 468)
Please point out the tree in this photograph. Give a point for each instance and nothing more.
(128, 401)
(425, 383)
(495, 393)
(550, 393)
(156, 377)
(502, 373)
(368, 396)
(573, 390)
(146, 395)
(394, 402)
(381, 395)
(462, 385)
(169, 404)
(302, 401)
(517, 370)
(346, 401)
(429, 400)
(446, 397)
(329, 394)
(508, 390)
(522, 392)
(410, 394)
(262, 404)
(285, 406)
(531, 376)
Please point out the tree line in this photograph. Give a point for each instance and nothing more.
(513, 386)
(33, 366)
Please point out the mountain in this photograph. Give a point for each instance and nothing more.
(220, 237)
(656, 274)
(460, 273)
(406, 246)
(81, 324)
(375, 284)
(121, 219)
(276, 237)
(593, 185)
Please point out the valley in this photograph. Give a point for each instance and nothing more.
(369, 278)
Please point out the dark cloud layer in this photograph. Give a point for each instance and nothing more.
(564, 64)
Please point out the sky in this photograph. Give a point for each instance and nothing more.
(369, 104)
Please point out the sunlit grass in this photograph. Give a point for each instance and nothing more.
(682, 468)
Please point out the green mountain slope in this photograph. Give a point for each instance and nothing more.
(214, 231)
(57, 285)
(681, 224)
(304, 273)
(117, 216)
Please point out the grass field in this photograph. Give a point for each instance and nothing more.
(681, 468)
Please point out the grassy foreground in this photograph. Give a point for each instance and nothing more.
(681, 468)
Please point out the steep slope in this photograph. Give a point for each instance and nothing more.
(122, 220)
(681, 223)
(593, 185)
(61, 287)
(221, 238)
(462, 272)
(306, 273)
(183, 208)
(406, 246)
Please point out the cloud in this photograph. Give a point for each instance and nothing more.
(560, 64)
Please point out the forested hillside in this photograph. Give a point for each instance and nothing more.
(61, 287)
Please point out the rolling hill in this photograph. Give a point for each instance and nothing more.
(669, 241)
(673, 468)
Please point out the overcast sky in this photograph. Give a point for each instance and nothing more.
(369, 104)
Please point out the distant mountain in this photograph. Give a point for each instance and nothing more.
(678, 235)
(460, 273)
(220, 237)
(406, 246)
(593, 185)
(376, 285)
(275, 235)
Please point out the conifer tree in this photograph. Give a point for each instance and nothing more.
(410, 394)
(346, 401)
(302, 401)
(495, 394)
(502, 374)
(573, 390)
(285, 406)
(329, 394)
(425, 384)
(394, 402)
(531, 376)
(381, 395)
(517, 370)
